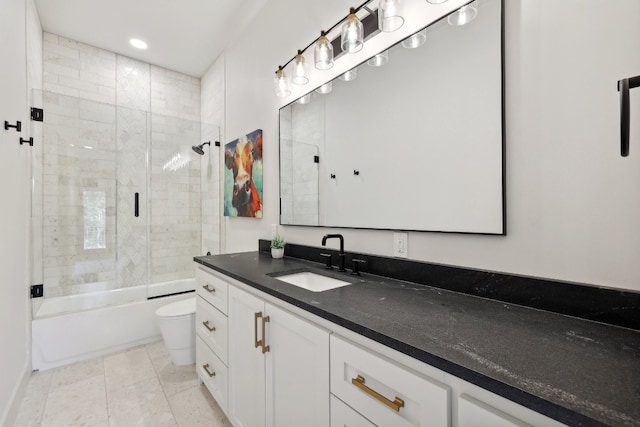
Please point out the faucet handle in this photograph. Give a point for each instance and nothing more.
(356, 266)
(327, 258)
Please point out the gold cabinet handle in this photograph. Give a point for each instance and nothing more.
(209, 328)
(265, 348)
(209, 289)
(395, 404)
(256, 316)
(206, 368)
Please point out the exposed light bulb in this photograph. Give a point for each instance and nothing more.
(281, 82)
(299, 70)
(390, 15)
(323, 53)
(352, 38)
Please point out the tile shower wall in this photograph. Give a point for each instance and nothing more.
(136, 103)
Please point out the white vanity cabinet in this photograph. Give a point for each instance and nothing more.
(211, 334)
(279, 366)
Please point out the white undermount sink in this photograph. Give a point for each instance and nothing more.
(312, 281)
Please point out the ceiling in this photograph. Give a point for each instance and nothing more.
(182, 35)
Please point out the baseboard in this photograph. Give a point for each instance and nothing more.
(13, 407)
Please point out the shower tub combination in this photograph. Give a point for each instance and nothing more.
(117, 218)
(80, 327)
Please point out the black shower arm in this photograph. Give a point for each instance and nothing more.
(623, 87)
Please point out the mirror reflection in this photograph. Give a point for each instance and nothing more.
(411, 139)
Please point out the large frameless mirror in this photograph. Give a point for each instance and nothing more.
(413, 142)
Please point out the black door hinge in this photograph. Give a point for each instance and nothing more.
(37, 291)
(37, 114)
(316, 159)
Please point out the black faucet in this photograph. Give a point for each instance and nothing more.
(341, 254)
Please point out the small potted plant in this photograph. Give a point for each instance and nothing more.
(277, 247)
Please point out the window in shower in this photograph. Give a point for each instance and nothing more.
(94, 206)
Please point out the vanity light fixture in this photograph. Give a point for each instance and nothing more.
(415, 40)
(352, 38)
(379, 60)
(325, 88)
(137, 43)
(299, 70)
(281, 82)
(464, 15)
(304, 99)
(323, 52)
(349, 75)
(390, 15)
(436, 1)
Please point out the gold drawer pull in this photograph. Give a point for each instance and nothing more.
(209, 289)
(210, 328)
(265, 348)
(206, 368)
(396, 404)
(256, 316)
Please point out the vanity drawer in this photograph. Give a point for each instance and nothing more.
(344, 416)
(384, 392)
(212, 288)
(211, 326)
(213, 373)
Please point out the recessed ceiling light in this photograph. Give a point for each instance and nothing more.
(138, 43)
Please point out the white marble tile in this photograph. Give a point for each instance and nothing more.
(195, 407)
(127, 368)
(174, 379)
(140, 404)
(76, 372)
(32, 406)
(83, 403)
(157, 349)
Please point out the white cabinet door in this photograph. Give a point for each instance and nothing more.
(297, 371)
(246, 362)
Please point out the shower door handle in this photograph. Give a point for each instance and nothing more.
(136, 208)
(623, 87)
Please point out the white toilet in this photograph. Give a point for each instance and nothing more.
(178, 327)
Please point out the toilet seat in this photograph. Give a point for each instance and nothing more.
(185, 307)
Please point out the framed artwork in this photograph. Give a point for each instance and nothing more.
(243, 176)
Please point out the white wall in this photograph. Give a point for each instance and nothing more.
(573, 205)
(15, 163)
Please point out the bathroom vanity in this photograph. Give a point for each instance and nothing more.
(385, 352)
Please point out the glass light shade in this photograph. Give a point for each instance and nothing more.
(390, 15)
(304, 99)
(299, 70)
(415, 40)
(323, 53)
(352, 38)
(379, 60)
(281, 83)
(464, 15)
(436, 1)
(349, 75)
(325, 88)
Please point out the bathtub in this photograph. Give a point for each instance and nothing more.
(80, 327)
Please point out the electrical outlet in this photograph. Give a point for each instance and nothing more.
(274, 230)
(400, 248)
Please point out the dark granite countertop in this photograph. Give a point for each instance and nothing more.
(579, 372)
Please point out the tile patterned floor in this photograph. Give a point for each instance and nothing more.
(136, 387)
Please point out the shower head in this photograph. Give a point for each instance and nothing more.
(199, 148)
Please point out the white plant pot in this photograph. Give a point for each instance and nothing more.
(277, 252)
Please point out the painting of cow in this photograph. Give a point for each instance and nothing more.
(243, 176)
